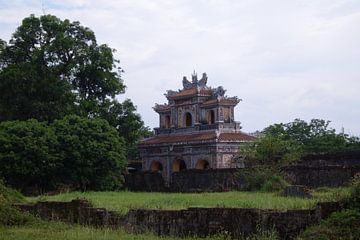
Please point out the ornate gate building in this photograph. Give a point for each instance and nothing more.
(196, 130)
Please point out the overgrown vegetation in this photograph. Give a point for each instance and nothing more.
(340, 225)
(78, 152)
(9, 216)
(281, 144)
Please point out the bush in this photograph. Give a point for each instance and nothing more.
(92, 153)
(354, 200)
(8, 195)
(340, 225)
(8, 214)
(87, 154)
(274, 184)
(262, 178)
(28, 154)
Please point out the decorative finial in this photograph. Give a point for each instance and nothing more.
(194, 78)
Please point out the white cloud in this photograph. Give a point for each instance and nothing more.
(286, 59)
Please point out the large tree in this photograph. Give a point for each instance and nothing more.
(51, 68)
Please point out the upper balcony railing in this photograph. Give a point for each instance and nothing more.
(233, 126)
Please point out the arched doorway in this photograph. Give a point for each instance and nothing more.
(178, 165)
(156, 166)
(167, 121)
(211, 117)
(202, 165)
(188, 119)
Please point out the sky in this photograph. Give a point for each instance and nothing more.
(284, 59)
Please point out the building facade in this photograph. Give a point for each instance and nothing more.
(197, 130)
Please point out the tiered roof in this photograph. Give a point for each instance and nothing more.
(206, 136)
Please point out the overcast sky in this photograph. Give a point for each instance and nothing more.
(285, 59)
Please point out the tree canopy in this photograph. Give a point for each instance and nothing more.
(78, 152)
(60, 121)
(51, 68)
(315, 136)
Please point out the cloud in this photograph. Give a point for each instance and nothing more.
(286, 59)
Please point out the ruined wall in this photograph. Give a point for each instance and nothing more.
(145, 181)
(190, 222)
(211, 180)
(331, 170)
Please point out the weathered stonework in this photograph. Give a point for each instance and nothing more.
(196, 130)
(199, 222)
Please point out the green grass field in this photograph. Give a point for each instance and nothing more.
(59, 231)
(123, 201)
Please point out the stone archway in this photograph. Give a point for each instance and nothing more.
(202, 165)
(156, 166)
(178, 165)
(188, 119)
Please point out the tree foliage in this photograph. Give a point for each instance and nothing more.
(81, 152)
(93, 155)
(52, 68)
(264, 159)
(315, 137)
(282, 144)
(28, 153)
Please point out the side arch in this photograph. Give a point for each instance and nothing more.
(156, 166)
(202, 164)
(178, 165)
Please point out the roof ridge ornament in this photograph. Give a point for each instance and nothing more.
(195, 82)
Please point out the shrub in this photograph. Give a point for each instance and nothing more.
(87, 154)
(340, 225)
(28, 155)
(8, 214)
(274, 183)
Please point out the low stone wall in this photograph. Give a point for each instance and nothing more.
(145, 181)
(211, 180)
(236, 222)
(330, 170)
(200, 222)
(76, 211)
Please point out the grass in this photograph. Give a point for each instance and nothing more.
(123, 201)
(60, 231)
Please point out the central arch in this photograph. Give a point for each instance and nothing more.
(188, 119)
(202, 165)
(156, 166)
(178, 165)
